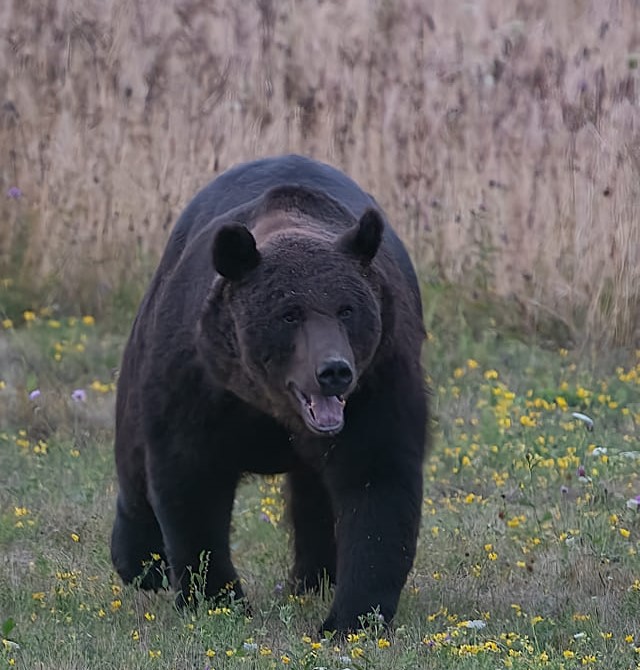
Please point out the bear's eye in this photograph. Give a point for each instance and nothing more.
(345, 312)
(291, 317)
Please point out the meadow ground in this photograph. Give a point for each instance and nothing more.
(528, 555)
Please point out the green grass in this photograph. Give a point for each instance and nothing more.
(528, 555)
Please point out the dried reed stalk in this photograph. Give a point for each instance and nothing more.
(502, 138)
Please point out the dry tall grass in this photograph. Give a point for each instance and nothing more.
(503, 138)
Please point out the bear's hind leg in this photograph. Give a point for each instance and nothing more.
(310, 513)
(137, 547)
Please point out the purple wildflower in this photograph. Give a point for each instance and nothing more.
(79, 395)
(14, 193)
(34, 394)
(634, 503)
(564, 489)
(583, 478)
(264, 517)
(278, 588)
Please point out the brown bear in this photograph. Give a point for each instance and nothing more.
(281, 332)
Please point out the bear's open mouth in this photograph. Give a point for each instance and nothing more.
(321, 414)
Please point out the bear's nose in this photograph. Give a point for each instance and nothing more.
(334, 376)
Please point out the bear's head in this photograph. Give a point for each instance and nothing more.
(294, 316)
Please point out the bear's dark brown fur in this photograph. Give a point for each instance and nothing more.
(281, 333)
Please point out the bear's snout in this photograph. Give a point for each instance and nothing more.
(334, 376)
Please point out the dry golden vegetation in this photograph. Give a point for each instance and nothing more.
(503, 138)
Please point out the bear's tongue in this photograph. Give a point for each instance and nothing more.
(321, 413)
(327, 411)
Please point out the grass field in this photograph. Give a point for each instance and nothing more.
(528, 555)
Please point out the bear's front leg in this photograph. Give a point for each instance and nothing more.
(376, 531)
(193, 505)
(374, 476)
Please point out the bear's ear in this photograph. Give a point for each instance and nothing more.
(234, 251)
(363, 240)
